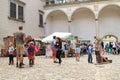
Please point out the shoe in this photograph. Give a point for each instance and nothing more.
(55, 62)
(91, 62)
(20, 65)
(23, 64)
(30, 65)
(60, 62)
(77, 60)
(17, 64)
(13, 63)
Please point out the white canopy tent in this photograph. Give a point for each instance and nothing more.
(62, 35)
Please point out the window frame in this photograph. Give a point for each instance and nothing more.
(18, 3)
(13, 10)
(41, 21)
(20, 14)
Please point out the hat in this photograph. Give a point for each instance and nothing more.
(31, 42)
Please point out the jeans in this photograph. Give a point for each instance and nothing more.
(89, 58)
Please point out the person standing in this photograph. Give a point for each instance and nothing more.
(66, 48)
(110, 47)
(11, 53)
(90, 49)
(107, 48)
(77, 48)
(31, 53)
(97, 49)
(19, 40)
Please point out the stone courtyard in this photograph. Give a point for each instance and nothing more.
(45, 69)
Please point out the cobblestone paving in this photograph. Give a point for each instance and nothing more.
(45, 69)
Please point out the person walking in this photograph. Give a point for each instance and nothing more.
(19, 41)
(54, 49)
(58, 46)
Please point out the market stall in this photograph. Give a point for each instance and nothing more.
(61, 35)
(4, 48)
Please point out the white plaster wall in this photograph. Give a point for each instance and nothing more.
(57, 22)
(31, 15)
(48, 26)
(83, 24)
(109, 21)
(7, 27)
(1, 29)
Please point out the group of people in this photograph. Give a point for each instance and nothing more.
(113, 47)
(19, 48)
(99, 50)
(56, 47)
(59, 46)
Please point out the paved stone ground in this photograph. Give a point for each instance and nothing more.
(45, 69)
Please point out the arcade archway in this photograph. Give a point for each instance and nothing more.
(83, 23)
(109, 20)
(57, 21)
(109, 38)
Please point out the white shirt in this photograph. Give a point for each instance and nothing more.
(73, 44)
(11, 49)
(53, 43)
(114, 44)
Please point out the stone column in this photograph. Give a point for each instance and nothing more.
(45, 28)
(97, 27)
(69, 26)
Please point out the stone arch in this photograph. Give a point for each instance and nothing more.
(83, 23)
(109, 38)
(107, 6)
(54, 11)
(110, 35)
(56, 21)
(108, 19)
(81, 8)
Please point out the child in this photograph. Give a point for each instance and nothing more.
(31, 53)
(66, 47)
(48, 51)
(90, 48)
(11, 52)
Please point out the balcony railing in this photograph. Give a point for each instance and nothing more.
(68, 2)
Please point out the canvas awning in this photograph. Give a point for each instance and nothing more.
(62, 35)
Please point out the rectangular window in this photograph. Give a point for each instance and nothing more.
(41, 20)
(20, 13)
(12, 10)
